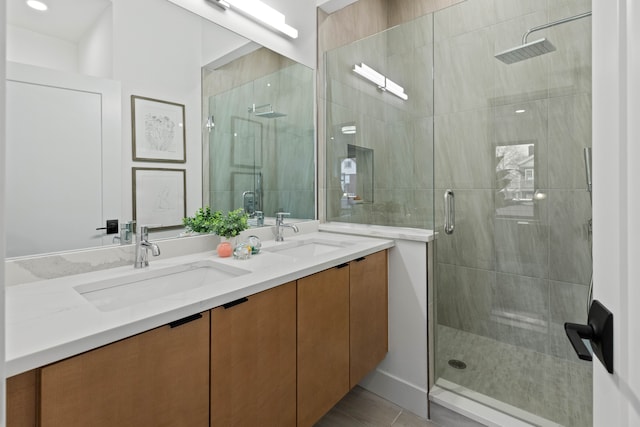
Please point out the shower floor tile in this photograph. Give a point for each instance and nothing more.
(557, 389)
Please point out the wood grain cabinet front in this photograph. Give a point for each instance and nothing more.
(253, 360)
(323, 342)
(368, 314)
(157, 378)
(22, 402)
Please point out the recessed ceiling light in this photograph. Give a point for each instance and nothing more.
(520, 111)
(37, 5)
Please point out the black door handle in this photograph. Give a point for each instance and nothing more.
(599, 331)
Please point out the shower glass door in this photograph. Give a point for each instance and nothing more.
(509, 141)
(379, 128)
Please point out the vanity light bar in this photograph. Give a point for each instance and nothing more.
(37, 5)
(370, 74)
(221, 3)
(380, 80)
(260, 12)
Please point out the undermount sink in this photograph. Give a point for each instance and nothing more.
(113, 294)
(306, 248)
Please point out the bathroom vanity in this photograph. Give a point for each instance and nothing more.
(277, 342)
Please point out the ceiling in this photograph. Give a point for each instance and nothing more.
(65, 19)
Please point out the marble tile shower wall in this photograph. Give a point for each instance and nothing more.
(284, 147)
(400, 133)
(513, 277)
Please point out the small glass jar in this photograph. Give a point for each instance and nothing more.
(242, 251)
(255, 243)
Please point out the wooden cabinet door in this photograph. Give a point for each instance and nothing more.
(157, 378)
(323, 342)
(253, 360)
(21, 399)
(368, 314)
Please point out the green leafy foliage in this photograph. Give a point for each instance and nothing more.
(201, 222)
(231, 224)
(206, 221)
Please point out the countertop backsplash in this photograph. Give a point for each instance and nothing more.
(51, 266)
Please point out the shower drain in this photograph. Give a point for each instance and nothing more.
(457, 364)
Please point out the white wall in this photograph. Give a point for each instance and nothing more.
(157, 53)
(2, 206)
(32, 48)
(402, 376)
(299, 14)
(616, 205)
(219, 44)
(95, 47)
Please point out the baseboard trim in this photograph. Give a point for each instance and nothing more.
(404, 394)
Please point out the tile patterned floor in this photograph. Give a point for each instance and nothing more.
(362, 408)
(553, 388)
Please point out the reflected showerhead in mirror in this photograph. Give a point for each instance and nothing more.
(536, 48)
(270, 114)
(265, 111)
(526, 51)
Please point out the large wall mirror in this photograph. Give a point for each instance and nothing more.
(71, 73)
(63, 134)
(259, 142)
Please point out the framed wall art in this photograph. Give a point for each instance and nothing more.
(159, 197)
(158, 129)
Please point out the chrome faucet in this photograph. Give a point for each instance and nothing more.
(127, 231)
(142, 247)
(249, 202)
(280, 225)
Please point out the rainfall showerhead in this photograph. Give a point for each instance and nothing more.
(526, 51)
(265, 111)
(270, 114)
(535, 48)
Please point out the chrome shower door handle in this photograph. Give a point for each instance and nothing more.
(449, 212)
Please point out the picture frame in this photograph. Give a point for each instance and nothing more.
(158, 130)
(159, 197)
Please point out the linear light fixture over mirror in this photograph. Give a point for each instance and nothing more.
(260, 12)
(383, 83)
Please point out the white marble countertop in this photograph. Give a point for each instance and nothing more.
(388, 232)
(49, 320)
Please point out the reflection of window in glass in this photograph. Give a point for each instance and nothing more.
(528, 174)
(348, 177)
(348, 167)
(515, 179)
(356, 176)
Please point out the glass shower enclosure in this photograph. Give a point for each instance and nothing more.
(259, 150)
(508, 140)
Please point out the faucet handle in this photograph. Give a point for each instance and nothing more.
(281, 215)
(145, 228)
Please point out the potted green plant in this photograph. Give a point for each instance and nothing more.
(201, 222)
(229, 226)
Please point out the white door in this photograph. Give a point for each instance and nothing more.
(616, 204)
(53, 170)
